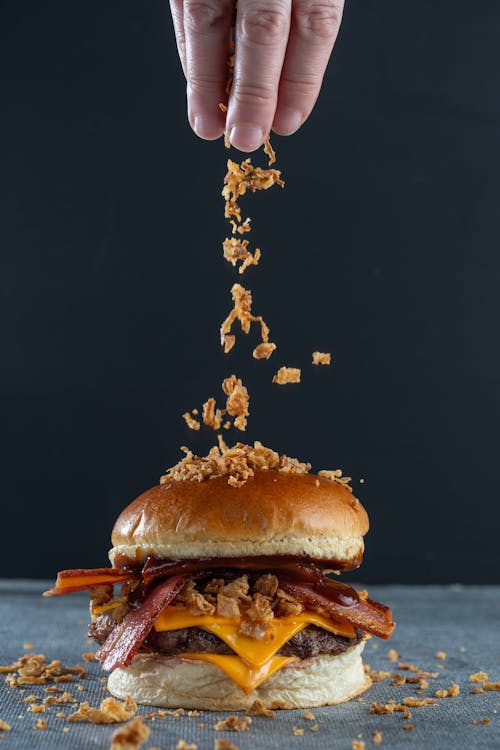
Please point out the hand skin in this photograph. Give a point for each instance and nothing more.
(282, 50)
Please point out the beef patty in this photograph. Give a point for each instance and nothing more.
(311, 641)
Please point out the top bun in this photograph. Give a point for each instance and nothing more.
(273, 513)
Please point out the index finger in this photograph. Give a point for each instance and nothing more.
(262, 30)
(207, 26)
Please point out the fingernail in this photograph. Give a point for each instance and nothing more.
(246, 137)
(289, 121)
(208, 126)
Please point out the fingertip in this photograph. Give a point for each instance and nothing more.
(246, 136)
(287, 121)
(207, 126)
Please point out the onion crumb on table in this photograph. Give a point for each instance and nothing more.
(220, 744)
(183, 745)
(234, 724)
(33, 669)
(111, 711)
(130, 736)
(258, 708)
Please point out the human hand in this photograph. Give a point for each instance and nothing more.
(282, 50)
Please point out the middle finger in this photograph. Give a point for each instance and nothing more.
(262, 30)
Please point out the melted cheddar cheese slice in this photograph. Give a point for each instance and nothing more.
(247, 677)
(254, 652)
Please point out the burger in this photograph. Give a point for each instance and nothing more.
(226, 594)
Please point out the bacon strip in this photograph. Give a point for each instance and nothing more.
(367, 615)
(295, 566)
(124, 640)
(69, 581)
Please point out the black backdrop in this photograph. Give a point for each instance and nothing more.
(383, 249)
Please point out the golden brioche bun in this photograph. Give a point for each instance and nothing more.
(273, 513)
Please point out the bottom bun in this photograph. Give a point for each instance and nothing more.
(174, 682)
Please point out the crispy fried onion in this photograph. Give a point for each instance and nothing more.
(242, 311)
(238, 463)
(237, 403)
(236, 250)
(243, 177)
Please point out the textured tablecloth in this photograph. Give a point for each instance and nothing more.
(429, 619)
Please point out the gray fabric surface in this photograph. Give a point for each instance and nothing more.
(429, 619)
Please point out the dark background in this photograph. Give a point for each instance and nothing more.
(383, 249)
